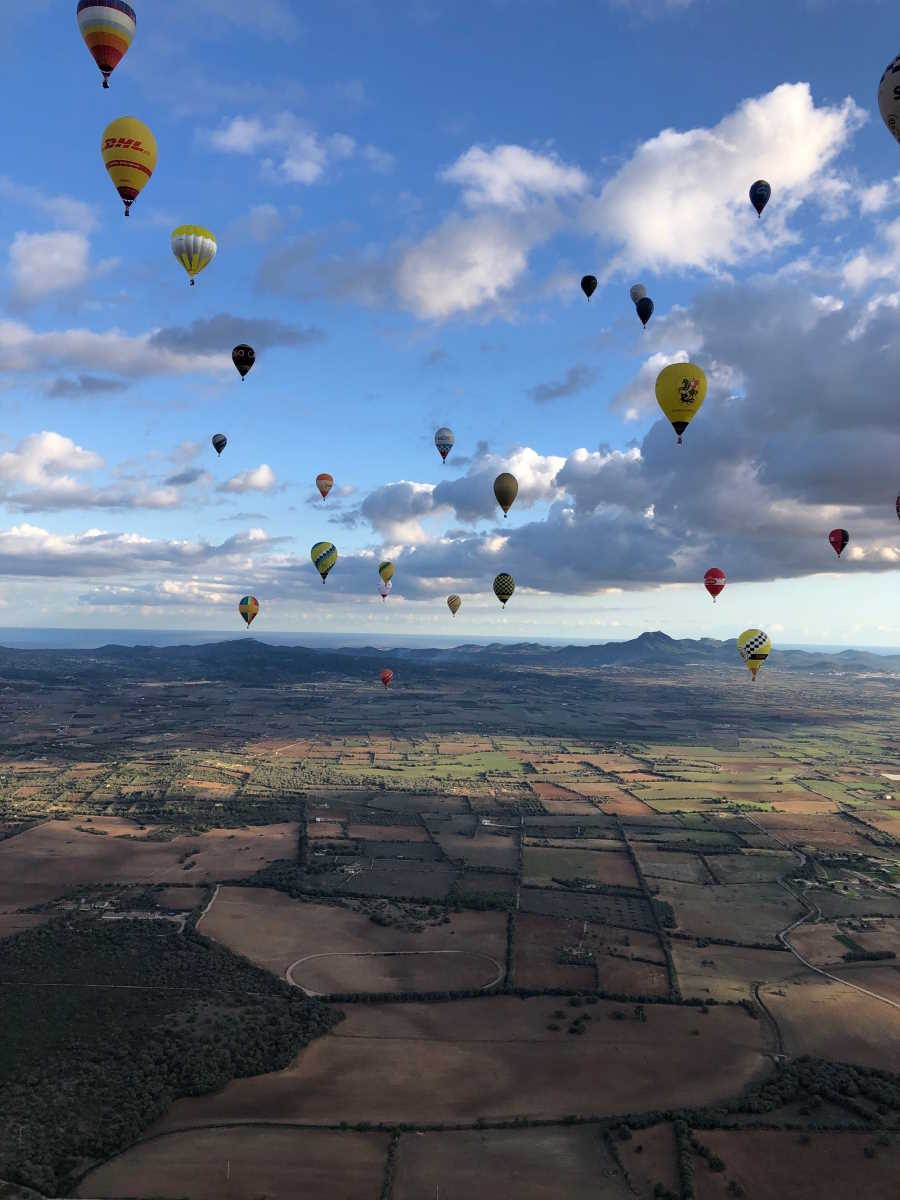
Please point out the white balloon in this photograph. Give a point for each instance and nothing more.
(638, 292)
(889, 97)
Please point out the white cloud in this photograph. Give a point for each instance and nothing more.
(260, 479)
(25, 349)
(44, 457)
(512, 177)
(680, 202)
(43, 263)
(297, 154)
(871, 264)
(65, 211)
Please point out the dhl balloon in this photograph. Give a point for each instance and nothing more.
(754, 646)
(195, 248)
(504, 586)
(386, 571)
(248, 608)
(129, 155)
(324, 483)
(387, 677)
(454, 603)
(107, 27)
(324, 556)
(506, 488)
(680, 392)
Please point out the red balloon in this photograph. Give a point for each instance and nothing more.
(839, 539)
(714, 581)
(386, 677)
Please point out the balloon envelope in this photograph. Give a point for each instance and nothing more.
(384, 589)
(759, 195)
(638, 292)
(324, 556)
(839, 539)
(889, 97)
(386, 570)
(506, 488)
(504, 586)
(644, 309)
(248, 608)
(589, 285)
(680, 392)
(714, 581)
(324, 482)
(243, 357)
(898, 506)
(754, 647)
(194, 247)
(453, 603)
(129, 155)
(219, 441)
(387, 677)
(107, 27)
(444, 440)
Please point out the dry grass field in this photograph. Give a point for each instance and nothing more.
(682, 868)
(728, 973)
(263, 1162)
(775, 1165)
(538, 940)
(649, 1158)
(275, 931)
(50, 860)
(541, 866)
(883, 978)
(743, 914)
(494, 1058)
(532, 1164)
(828, 1020)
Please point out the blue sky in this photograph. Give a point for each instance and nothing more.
(405, 196)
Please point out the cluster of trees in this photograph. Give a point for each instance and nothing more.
(84, 1069)
(861, 955)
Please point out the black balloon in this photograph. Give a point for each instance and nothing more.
(243, 357)
(219, 441)
(759, 195)
(644, 308)
(589, 285)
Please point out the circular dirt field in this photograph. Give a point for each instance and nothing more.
(394, 971)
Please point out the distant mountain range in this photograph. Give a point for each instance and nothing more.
(257, 662)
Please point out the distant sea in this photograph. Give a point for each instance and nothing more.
(91, 639)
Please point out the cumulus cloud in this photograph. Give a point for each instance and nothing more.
(680, 202)
(25, 349)
(292, 151)
(577, 379)
(260, 479)
(43, 263)
(511, 177)
(207, 335)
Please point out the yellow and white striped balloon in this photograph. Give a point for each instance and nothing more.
(194, 247)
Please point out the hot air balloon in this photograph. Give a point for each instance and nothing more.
(129, 155)
(839, 539)
(898, 506)
(107, 27)
(243, 357)
(219, 441)
(638, 292)
(680, 391)
(248, 608)
(589, 285)
(754, 646)
(386, 571)
(387, 677)
(506, 488)
(194, 247)
(504, 586)
(324, 555)
(889, 97)
(759, 195)
(324, 482)
(454, 603)
(444, 440)
(644, 308)
(384, 589)
(714, 581)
